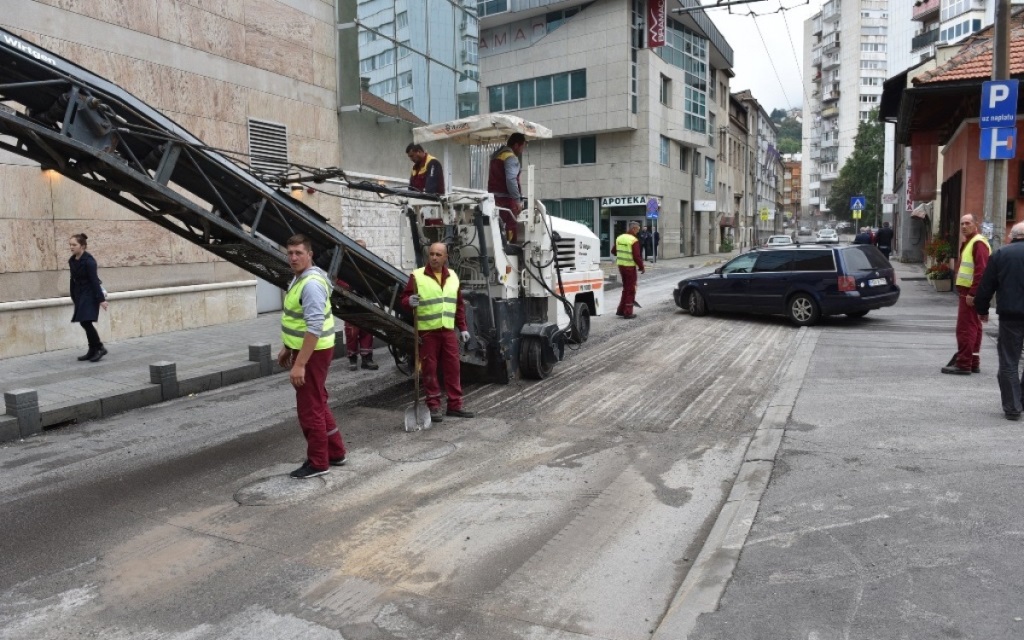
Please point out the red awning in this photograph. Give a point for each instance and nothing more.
(726, 221)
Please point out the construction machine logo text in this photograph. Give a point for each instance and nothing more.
(452, 128)
(24, 48)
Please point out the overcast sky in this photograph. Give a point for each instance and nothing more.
(751, 63)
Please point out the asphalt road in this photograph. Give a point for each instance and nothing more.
(568, 508)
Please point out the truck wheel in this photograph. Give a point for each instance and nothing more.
(803, 311)
(581, 329)
(531, 359)
(695, 303)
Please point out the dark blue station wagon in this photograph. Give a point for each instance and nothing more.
(801, 282)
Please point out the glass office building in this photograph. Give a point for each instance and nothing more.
(421, 56)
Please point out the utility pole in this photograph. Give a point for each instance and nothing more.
(995, 170)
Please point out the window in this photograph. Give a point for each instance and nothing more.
(712, 81)
(872, 47)
(689, 51)
(579, 151)
(666, 91)
(490, 7)
(402, 20)
(768, 261)
(403, 49)
(711, 130)
(469, 49)
(537, 92)
(709, 175)
(405, 80)
(684, 157)
(813, 261)
(555, 19)
(664, 148)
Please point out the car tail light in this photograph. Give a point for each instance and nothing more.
(847, 283)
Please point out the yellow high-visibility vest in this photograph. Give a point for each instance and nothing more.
(437, 306)
(293, 322)
(624, 250)
(965, 274)
(423, 167)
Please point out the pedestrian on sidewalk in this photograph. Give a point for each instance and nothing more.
(884, 240)
(307, 331)
(646, 242)
(435, 293)
(1005, 275)
(87, 294)
(974, 256)
(862, 237)
(629, 261)
(358, 342)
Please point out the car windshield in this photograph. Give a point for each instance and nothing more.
(741, 264)
(865, 258)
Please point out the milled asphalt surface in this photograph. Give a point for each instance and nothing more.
(892, 508)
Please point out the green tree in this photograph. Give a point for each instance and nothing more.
(860, 175)
(778, 115)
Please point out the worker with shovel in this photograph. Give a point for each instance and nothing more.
(434, 293)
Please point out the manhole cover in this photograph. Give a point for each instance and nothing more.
(278, 489)
(417, 450)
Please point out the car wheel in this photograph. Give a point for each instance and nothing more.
(695, 303)
(857, 314)
(803, 310)
(581, 329)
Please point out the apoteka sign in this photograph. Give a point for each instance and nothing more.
(624, 201)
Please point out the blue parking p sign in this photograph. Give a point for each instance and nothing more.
(998, 104)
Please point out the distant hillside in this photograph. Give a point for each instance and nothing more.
(791, 132)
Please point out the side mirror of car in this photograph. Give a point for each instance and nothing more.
(718, 270)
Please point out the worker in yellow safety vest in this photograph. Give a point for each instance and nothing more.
(307, 333)
(628, 258)
(434, 292)
(974, 256)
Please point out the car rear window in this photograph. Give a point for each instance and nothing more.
(864, 258)
(814, 261)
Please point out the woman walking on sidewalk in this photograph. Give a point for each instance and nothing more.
(86, 294)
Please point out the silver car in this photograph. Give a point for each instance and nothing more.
(827, 236)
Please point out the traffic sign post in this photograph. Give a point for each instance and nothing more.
(998, 104)
(858, 203)
(653, 210)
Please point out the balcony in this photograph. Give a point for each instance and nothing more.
(830, 93)
(830, 43)
(925, 9)
(830, 112)
(813, 200)
(816, 27)
(831, 142)
(829, 62)
(830, 12)
(925, 39)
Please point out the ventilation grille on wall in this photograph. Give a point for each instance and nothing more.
(268, 147)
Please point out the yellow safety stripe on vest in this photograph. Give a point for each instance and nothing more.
(423, 169)
(624, 250)
(965, 273)
(293, 321)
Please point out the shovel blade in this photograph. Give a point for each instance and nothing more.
(417, 418)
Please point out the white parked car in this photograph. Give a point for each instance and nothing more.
(827, 236)
(774, 241)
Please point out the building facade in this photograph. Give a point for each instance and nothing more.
(767, 167)
(632, 122)
(791, 170)
(845, 47)
(249, 76)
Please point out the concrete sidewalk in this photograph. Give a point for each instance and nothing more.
(893, 508)
(69, 390)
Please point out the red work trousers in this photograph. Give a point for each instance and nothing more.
(968, 334)
(357, 341)
(323, 440)
(508, 218)
(440, 349)
(628, 275)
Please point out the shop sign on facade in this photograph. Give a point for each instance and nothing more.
(624, 201)
(705, 205)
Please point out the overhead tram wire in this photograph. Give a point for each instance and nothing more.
(789, 103)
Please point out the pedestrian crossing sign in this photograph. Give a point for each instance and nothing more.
(858, 203)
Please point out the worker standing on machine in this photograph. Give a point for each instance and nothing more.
(627, 256)
(427, 174)
(503, 182)
(435, 293)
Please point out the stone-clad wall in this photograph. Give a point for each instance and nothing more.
(209, 65)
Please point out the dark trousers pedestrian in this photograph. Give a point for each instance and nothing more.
(968, 334)
(323, 440)
(628, 275)
(440, 351)
(92, 335)
(357, 341)
(1011, 340)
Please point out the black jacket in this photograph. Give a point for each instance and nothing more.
(862, 238)
(884, 238)
(86, 292)
(1005, 274)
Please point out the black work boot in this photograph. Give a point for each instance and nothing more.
(368, 362)
(353, 363)
(89, 355)
(100, 352)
